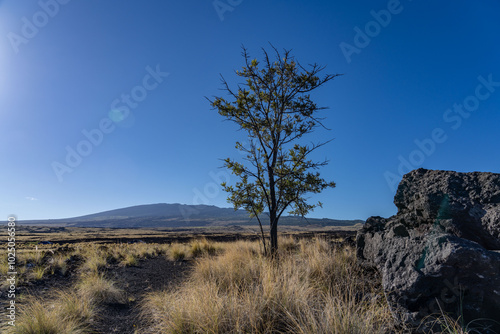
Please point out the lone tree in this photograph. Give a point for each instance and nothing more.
(274, 107)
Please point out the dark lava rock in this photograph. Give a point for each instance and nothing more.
(440, 252)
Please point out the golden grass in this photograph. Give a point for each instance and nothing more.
(59, 263)
(130, 260)
(96, 287)
(314, 288)
(177, 252)
(203, 247)
(129, 254)
(145, 251)
(38, 272)
(34, 257)
(68, 312)
(4, 265)
(95, 259)
(116, 252)
(75, 308)
(43, 318)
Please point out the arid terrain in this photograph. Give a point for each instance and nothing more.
(195, 280)
(99, 280)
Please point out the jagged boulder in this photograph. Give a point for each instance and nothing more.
(440, 252)
(464, 204)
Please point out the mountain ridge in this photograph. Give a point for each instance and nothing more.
(178, 215)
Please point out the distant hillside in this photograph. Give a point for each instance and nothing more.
(178, 215)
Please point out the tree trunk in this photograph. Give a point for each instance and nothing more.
(261, 232)
(274, 205)
(274, 234)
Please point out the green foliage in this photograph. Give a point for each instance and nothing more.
(275, 108)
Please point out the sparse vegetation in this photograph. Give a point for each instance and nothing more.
(130, 260)
(68, 311)
(59, 263)
(178, 252)
(95, 259)
(202, 247)
(38, 317)
(34, 257)
(315, 288)
(38, 272)
(75, 308)
(97, 287)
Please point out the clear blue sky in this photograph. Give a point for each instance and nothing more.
(421, 72)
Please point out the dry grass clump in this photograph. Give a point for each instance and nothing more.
(144, 250)
(59, 263)
(287, 243)
(95, 259)
(34, 264)
(33, 257)
(130, 254)
(116, 253)
(38, 317)
(75, 308)
(177, 252)
(130, 260)
(162, 249)
(96, 287)
(4, 265)
(38, 272)
(313, 288)
(238, 267)
(192, 250)
(68, 311)
(203, 247)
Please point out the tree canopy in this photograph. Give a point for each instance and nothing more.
(275, 108)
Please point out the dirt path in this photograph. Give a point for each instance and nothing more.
(148, 276)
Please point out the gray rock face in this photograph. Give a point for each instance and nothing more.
(439, 254)
(464, 204)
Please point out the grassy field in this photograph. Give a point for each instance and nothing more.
(193, 284)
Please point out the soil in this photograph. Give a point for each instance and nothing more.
(150, 275)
